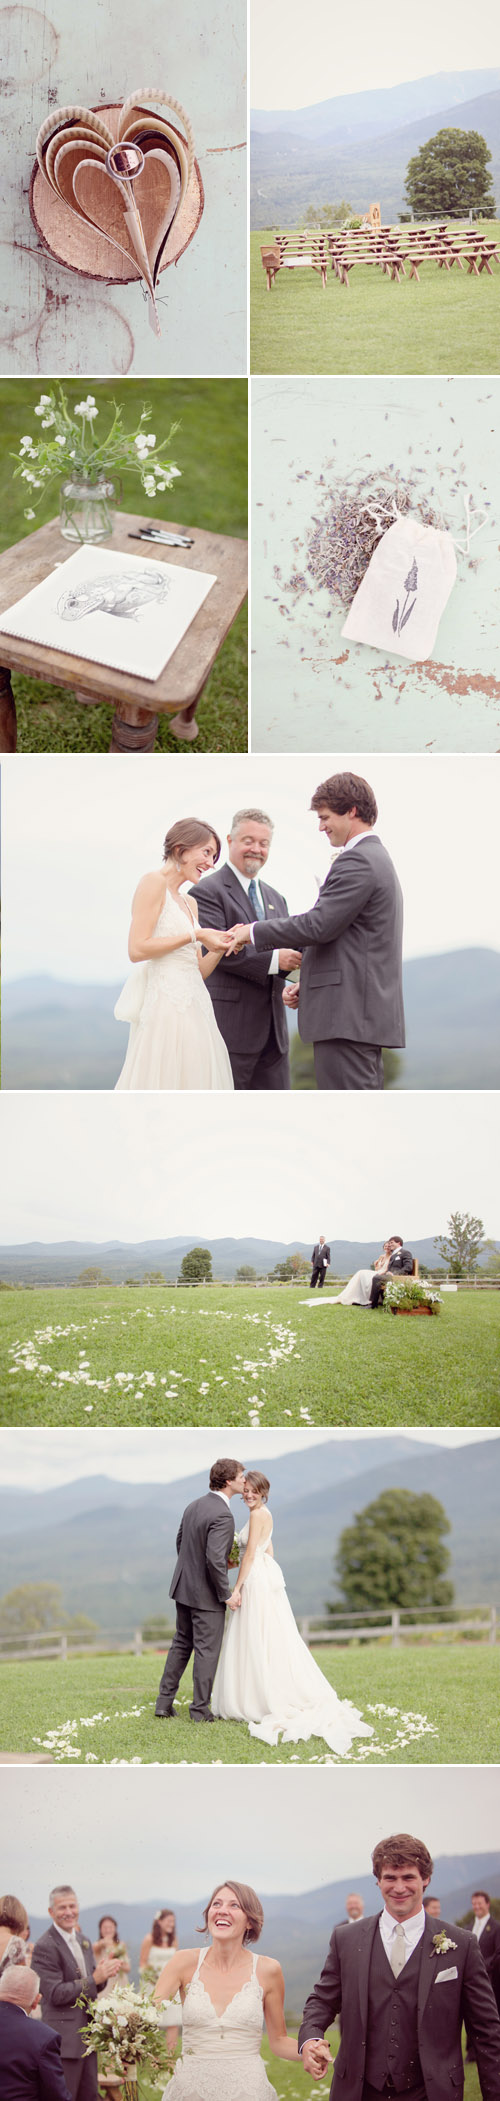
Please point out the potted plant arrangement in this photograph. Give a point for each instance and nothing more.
(86, 467)
(125, 2031)
(411, 1295)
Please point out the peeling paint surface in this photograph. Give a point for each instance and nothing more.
(51, 321)
(310, 690)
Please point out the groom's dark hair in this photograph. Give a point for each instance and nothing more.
(401, 1850)
(397, 1238)
(224, 1470)
(347, 791)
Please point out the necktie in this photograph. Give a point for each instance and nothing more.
(398, 1951)
(77, 1951)
(254, 900)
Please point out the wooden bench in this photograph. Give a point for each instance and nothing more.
(296, 251)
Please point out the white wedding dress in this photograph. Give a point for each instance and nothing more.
(174, 1041)
(266, 1675)
(221, 2058)
(355, 1293)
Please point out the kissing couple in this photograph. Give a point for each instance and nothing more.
(208, 995)
(255, 1667)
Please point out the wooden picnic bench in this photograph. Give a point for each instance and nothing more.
(296, 251)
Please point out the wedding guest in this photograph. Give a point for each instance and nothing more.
(486, 1931)
(432, 1907)
(64, 1961)
(354, 1909)
(404, 1991)
(158, 1948)
(320, 1259)
(15, 1944)
(247, 989)
(30, 2057)
(109, 1943)
(350, 1000)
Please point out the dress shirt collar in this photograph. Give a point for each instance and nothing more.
(359, 839)
(413, 1930)
(478, 1925)
(74, 1945)
(246, 880)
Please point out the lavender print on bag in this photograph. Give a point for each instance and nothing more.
(411, 582)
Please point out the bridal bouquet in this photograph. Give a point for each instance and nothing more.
(72, 448)
(234, 1556)
(126, 2032)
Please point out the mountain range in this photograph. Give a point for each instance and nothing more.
(111, 1544)
(60, 1035)
(297, 1925)
(358, 146)
(38, 1262)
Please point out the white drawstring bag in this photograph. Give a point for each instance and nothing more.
(405, 589)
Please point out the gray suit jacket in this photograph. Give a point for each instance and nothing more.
(464, 1995)
(61, 1985)
(204, 1541)
(351, 982)
(245, 998)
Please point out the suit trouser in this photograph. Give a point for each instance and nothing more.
(340, 1064)
(263, 1071)
(80, 2074)
(318, 1275)
(377, 1290)
(200, 1628)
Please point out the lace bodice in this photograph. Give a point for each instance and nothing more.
(234, 2033)
(175, 976)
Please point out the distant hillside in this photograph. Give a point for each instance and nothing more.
(292, 169)
(112, 1544)
(372, 111)
(38, 1262)
(297, 1927)
(59, 1035)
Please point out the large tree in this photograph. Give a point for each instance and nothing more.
(196, 1266)
(394, 1554)
(450, 176)
(462, 1245)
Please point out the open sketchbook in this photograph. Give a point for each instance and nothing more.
(116, 609)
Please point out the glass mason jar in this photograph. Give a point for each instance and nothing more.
(86, 508)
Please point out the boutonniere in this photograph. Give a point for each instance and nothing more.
(441, 1943)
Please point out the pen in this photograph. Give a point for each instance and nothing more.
(165, 539)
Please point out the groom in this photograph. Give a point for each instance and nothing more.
(201, 1591)
(351, 998)
(405, 1983)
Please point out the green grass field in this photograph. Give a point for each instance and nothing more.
(228, 1356)
(427, 1706)
(211, 450)
(450, 322)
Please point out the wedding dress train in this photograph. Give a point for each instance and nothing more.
(174, 1041)
(221, 2058)
(355, 1293)
(266, 1675)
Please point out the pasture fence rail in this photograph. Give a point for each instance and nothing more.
(57, 1644)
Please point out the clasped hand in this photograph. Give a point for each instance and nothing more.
(316, 2055)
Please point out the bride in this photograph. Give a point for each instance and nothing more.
(266, 1675)
(227, 1992)
(174, 1041)
(358, 1291)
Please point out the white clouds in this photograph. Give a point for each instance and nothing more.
(134, 1167)
(73, 859)
(118, 1838)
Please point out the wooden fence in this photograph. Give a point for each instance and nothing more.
(394, 1626)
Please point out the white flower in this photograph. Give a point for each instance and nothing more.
(141, 443)
(26, 441)
(151, 441)
(46, 422)
(28, 514)
(44, 402)
(60, 441)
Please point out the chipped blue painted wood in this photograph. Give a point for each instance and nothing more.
(311, 689)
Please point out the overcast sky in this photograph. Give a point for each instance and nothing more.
(42, 1459)
(298, 60)
(118, 1837)
(73, 853)
(144, 1166)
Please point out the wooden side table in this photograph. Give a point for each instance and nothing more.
(138, 703)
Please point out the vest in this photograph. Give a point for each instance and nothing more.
(392, 2049)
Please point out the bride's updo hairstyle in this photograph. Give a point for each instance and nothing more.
(189, 831)
(261, 1486)
(250, 1904)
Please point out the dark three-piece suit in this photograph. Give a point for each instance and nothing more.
(400, 1265)
(351, 990)
(201, 1590)
(404, 2035)
(61, 1985)
(247, 1000)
